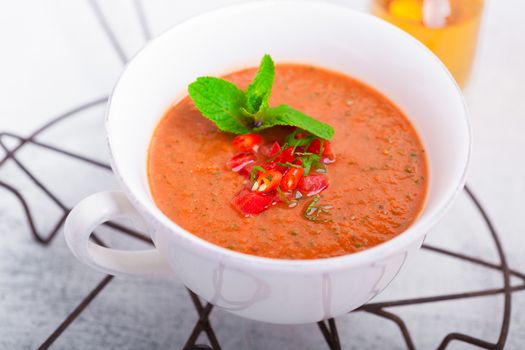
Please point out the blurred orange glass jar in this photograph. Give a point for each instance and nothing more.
(454, 42)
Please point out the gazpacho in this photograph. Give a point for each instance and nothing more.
(333, 168)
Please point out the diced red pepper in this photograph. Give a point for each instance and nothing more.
(328, 154)
(269, 165)
(270, 150)
(291, 178)
(312, 184)
(285, 156)
(267, 181)
(249, 203)
(247, 143)
(240, 161)
(247, 170)
(281, 168)
(315, 147)
(276, 183)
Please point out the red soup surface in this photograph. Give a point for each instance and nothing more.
(377, 185)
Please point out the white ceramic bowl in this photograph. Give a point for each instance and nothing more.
(218, 42)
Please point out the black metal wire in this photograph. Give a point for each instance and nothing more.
(70, 113)
(203, 324)
(328, 328)
(75, 313)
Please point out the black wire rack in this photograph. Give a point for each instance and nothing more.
(328, 328)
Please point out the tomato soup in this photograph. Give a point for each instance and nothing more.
(377, 184)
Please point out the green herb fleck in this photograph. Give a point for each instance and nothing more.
(310, 160)
(289, 165)
(254, 171)
(284, 198)
(313, 212)
(419, 180)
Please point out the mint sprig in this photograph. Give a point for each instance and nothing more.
(238, 112)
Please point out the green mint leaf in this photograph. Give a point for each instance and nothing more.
(221, 102)
(286, 115)
(258, 93)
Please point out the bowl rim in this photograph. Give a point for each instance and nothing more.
(388, 248)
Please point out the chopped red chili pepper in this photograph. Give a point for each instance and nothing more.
(267, 181)
(312, 184)
(247, 143)
(291, 178)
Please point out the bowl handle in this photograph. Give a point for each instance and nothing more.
(94, 211)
